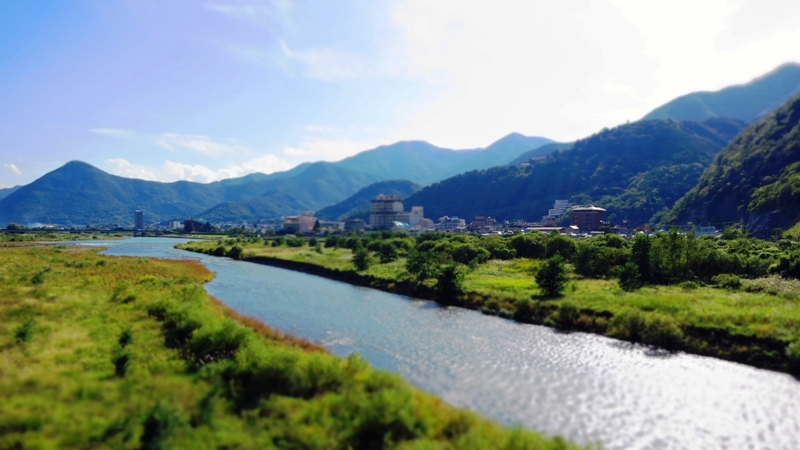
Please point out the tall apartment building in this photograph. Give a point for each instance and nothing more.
(385, 210)
(138, 220)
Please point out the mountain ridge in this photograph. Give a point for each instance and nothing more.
(748, 101)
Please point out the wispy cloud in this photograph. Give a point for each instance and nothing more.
(200, 143)
(321, 129)
(329, 64)
(110, 131)
(13, 168)
(256, 12)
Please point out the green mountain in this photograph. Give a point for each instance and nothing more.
(746, 102)
(756, 179)
(316, 185)
(540, 151)
(78, 194)
(7, 191)
(358, 203)
(636, 171)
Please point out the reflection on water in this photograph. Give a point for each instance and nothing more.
(588, 388)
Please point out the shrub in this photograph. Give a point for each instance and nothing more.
(450, 283)
(219, 251)
(793, 354)
(122, 361)
(24, 332)
(662, 331)
(295, 242)
(236, 252)
(688, 285)
(567, 314)
(159, 425)
(630, 277)
(361, 259)
(727, 281)
(552, 276)
(125, 338)
(312, 242)
(629, 325)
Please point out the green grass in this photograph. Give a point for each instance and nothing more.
(114, 352)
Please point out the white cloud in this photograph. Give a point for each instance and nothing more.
(256, 12)
(174, 171)
(200, 144)
(328, 149)
(13, 168)
(110, 131)
(124, 168)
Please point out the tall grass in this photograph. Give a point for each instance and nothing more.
(133, 354)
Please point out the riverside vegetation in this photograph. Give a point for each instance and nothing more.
(116, 352)
(735, 298)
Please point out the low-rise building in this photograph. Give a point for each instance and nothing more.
(587, 218)
(303, 223)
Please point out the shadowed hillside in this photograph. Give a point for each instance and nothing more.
(756, 179)
(636, 171)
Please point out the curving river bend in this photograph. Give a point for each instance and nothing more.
(585, 387)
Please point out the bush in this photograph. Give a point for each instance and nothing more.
(122, 361)
(688, 285)
(236, 252)
(727, 281)
(630, 277)
(24, 332)
(629, 325)
(219, 251)
(662, 331)
(450, 284)
(552, 277)
(793, 354)
(361, 259)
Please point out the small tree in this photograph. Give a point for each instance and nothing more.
(629, 277)
(552, 276)
(450, 282)
(361, 259)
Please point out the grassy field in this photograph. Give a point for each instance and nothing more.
(110, 352)
(755, 324)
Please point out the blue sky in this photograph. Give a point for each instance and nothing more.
(204, 90)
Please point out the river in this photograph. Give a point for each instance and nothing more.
(585, 387)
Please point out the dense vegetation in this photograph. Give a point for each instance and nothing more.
(747, 102)
(78, 193)
(358, 203)
(734, 298)
(637, 171)
(756, 179)
(107, 352)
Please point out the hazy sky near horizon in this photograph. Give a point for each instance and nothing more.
(204, 90)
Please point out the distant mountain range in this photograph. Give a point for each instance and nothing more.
(755, 180)
(636, 170)
(747, 102)
(5, 192)
(79, 194)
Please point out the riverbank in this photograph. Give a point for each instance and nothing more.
(132, 353)
(754, 328)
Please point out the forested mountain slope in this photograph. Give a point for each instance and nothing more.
(636, 170)
(756, 179)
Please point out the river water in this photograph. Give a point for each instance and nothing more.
(585, 387)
